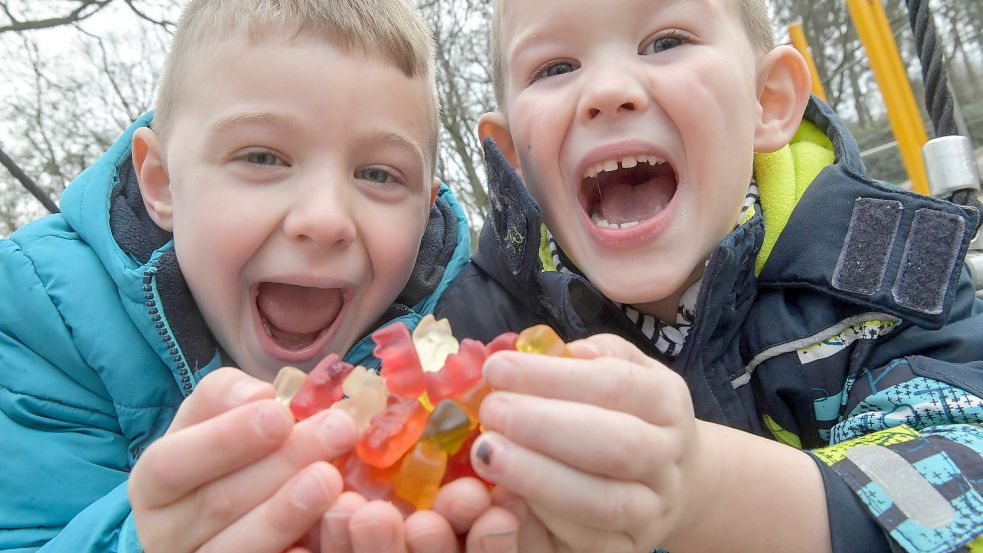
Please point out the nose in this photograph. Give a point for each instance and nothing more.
(323, 212)
(612, 91)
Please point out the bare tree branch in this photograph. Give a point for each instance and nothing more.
(76, 15)
(162, 23)
(27, 181)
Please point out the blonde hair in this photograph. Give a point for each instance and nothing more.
(757, 22)
(391, 29)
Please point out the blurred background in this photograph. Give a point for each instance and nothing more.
(75, 73)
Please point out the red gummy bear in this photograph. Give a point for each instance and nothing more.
(401, 365)
(462, 370)
(502, 342)
(392, 432)
(322, 388)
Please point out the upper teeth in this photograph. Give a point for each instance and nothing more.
(626, 163)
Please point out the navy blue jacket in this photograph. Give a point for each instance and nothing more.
(860, 340)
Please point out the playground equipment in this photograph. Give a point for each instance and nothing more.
(945, 167)
(950, 162)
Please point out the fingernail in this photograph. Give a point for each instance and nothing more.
(338, 430)
(502, 540)
(583, 346)
(373, 536)
(495, 413)
(244, 389)
(309, 492)
(484, 453)
(499, 371)
(271, 423)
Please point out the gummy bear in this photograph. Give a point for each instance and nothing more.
(471, 400)
(448, 426)
(461, 371)
(501, 342)
(403, 372)
(434, 342)
(372, 483)
(322, 387)
(420, 474)
(392, 432)
(367, 396)
(542, 339)
(459, 464)
(287, 383)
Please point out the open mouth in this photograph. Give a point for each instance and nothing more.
(295, 317)
(624, 193)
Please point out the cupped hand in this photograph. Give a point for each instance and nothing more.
(235, 473)
(603, 449)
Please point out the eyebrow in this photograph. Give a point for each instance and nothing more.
(387, 137)
(229, 123)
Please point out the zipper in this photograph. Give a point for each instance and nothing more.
(186, 382)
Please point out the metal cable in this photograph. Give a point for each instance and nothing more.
(938, 97)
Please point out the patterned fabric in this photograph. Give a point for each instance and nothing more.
(909, 447)
(668, 338)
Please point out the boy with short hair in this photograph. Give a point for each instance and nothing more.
(269, 214)
(764, 294)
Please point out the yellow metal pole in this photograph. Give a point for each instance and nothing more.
(798, 37)
(917, 136)
(882, 51)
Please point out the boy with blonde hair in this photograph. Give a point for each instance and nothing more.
(793, 357)
(269, 213)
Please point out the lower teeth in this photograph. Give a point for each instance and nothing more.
(601, 222)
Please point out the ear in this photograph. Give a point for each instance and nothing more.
(494, 125)
(155, 184)
(784, 86)
(434, 188)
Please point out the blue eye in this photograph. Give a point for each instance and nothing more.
(264, 158)
(377, 175)
(553, 69)
(663, 43)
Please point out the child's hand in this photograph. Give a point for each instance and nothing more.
(356, 525)
(234, 473)
(604, 448)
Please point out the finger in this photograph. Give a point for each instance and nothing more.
(323, 437)
(278, 523)
(461, 502)
(218, 446)
(335, 537)
(377, 527)
(585, 437)
(652, 393)
(582, 498)
(218, 392)
(220, 502)
(428, 532)
(610, 345)
(567, 536)
(531, 535)
(495, 531)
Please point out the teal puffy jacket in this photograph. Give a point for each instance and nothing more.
(99, 344)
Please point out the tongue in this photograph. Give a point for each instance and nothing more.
(296, 315)
(624, 203)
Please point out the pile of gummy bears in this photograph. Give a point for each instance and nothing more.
(417, 422)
